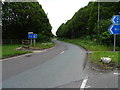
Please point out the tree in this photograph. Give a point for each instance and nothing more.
(20, 18)
(84, 23)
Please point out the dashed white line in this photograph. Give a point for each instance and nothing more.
(62, 52)
(84, 83)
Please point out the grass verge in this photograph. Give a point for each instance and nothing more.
(99, 51)
(89, 45)
(95, 58)
(10, 50)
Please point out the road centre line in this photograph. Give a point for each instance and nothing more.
(84, 83)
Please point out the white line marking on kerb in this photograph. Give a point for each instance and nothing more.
(84, 83)
(1, 60)
(117, 73)
(87, 86)
(62, 52)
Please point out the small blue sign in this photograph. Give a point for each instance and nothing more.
(32, 35)
(114, 29)
(116, 19)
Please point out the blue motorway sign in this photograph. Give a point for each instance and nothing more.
(116, 19)
(114, 29)
(32, 35)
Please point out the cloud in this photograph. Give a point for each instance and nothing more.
(59, 11)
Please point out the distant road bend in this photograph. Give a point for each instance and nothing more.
(51, 68)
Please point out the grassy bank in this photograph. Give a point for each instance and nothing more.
(10, 50)
(89, 45)
(99, 51)
(95, 58)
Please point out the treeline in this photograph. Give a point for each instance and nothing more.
(84, 24)
(19, 18)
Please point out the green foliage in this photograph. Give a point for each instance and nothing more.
(103, 34)
(45, 45)
(96, 58)
(85, 23)
(20, 18)
(10, 50)
(42, 38)
(88, 44)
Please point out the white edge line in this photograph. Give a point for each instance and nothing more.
(62, 52)
(84, 82)
(1, 60)
(117, 73)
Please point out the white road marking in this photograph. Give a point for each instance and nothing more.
(84, 83)
(87, 86)
(117, 73)
(1, 60)
(62, 52)
(37, 51)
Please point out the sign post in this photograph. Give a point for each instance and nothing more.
(33, 37)
(115, 28)
(34, 40)
(29, 36)
(114, 42)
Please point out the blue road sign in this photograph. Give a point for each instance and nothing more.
(32, 35)
(114, 29)
(116, 19)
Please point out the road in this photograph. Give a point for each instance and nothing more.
(51, 68)
(62, 66)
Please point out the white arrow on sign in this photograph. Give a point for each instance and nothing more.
(110, 29)
(116, 19)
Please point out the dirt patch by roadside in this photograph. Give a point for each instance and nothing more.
(28, 48)
(101, 68)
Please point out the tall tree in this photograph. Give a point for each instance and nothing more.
(19, 18)
(84, 23)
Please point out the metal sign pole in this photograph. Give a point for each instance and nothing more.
(31, 41)
(115, 28)
(34, 41)
(114, 42)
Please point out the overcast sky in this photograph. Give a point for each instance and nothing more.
(59, 11)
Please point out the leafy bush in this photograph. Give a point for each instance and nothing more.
(42, 38)
(103, 36)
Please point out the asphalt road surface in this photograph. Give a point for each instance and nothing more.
(62, 66)
(51, 68)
